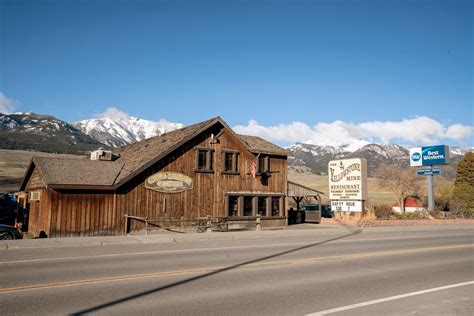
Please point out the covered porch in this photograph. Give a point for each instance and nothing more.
(301, 193)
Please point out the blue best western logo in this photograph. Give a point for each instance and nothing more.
(429, 156)
(416, 156)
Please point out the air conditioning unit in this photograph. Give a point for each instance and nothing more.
(34, 196)
(101, 154)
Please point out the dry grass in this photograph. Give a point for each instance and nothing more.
(304, 176)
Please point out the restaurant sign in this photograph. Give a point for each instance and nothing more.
(348, 179)
(169, 182)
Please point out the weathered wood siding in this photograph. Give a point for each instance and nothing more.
(83, 213)
(207, 195)
(65, 213)
(39, 213)
(35, 181)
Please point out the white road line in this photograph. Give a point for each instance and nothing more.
(154, 252)
(387, 299)
(207, 249)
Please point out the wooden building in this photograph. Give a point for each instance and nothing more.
(200, 170)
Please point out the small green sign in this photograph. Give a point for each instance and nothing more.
(169, 182)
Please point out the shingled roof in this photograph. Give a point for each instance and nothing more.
(142, 154)
(259, 145)
(77, 171)
(134, 158)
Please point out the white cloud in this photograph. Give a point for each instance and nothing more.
(113, 113)
(337, 134)
(421, 130)
(293, 132)
(416, 131)
(459, 132)
(7, 106)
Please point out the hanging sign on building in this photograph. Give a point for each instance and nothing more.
(429, 156)
(348, 179)
(169, 182)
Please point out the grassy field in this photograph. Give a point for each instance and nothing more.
(13, 164)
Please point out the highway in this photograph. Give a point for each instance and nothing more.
(317, 271)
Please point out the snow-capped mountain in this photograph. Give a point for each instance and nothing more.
(317, 157)
(32, 131)
(314, 157)
(376, 154)
(123, 130)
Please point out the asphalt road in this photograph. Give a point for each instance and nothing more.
(396, 271)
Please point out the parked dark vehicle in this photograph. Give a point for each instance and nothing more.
(325, 210)
(8, 232)
(8, 207)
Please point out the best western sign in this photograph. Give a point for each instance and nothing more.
(429, 156)
(348, 179)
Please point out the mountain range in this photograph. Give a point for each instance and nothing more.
(123, 130)
(30, 131)
(316, 158)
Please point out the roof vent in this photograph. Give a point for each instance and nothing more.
(101, 154)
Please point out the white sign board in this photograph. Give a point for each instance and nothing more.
(346, 206)
(415, 157)
(348, 179)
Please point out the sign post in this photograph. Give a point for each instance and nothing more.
(429, 156)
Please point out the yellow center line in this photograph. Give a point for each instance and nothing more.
(217, 268)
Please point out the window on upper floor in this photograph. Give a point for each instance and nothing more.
(263, 165)
(229, 162)
(204, 159)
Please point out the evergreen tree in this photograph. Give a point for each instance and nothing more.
(464, 185)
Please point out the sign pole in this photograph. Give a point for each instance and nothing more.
(431, 202)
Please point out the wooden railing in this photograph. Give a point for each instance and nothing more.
(200, 224)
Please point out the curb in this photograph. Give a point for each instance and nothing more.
(303, 231)
(155, 238)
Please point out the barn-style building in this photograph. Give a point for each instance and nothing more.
(199, 170)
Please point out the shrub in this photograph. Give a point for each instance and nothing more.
(412, 215)
(383, 211)
(459, 209)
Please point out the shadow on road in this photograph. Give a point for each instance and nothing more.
(352, 232)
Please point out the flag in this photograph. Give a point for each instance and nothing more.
(253, 169)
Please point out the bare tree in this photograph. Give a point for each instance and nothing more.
(403, 182)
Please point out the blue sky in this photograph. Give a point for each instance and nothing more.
(325, 72)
